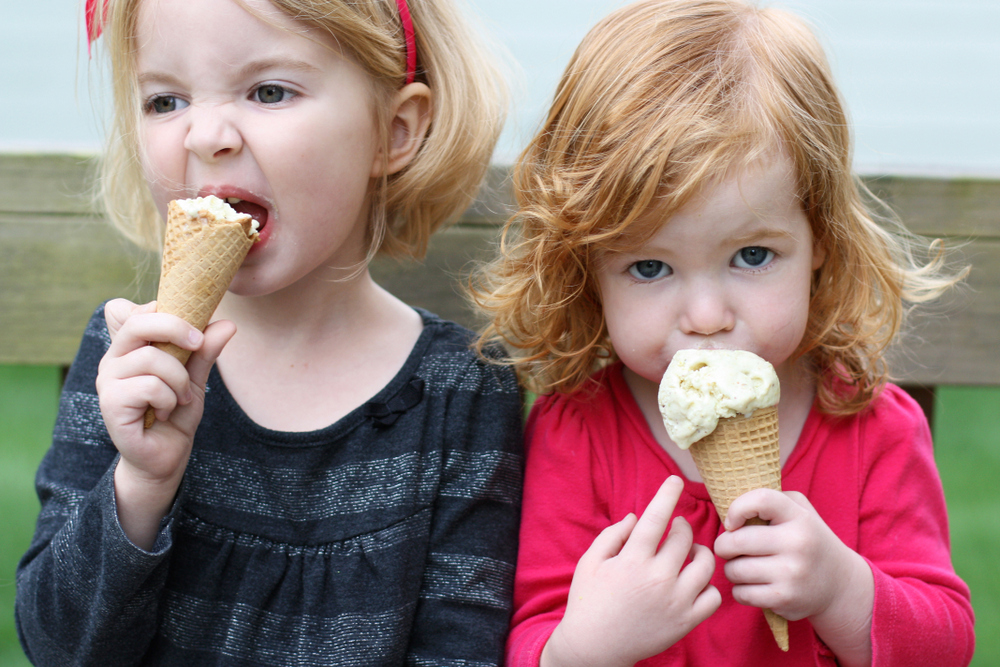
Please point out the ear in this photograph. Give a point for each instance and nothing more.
(414, 108)
(819, 255)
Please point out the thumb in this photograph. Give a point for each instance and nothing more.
(217, 335)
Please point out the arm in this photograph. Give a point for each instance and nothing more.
(88, 586)
(904, 538)
(133, 375)
(868, 605)
(611, 600)
(82, 586)
(465, 597)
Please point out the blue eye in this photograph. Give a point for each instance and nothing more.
(271, 93)
(753, 257)
(649, 269)
(164, 104)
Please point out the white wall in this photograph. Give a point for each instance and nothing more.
(921, 77)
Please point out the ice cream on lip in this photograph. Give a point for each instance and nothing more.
(221, 210)
(702, 386)
(242, 201)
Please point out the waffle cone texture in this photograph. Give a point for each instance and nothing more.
(740, 455)
(201, 256)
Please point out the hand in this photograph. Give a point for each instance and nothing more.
(134, 375)
(799, 568)
(630, 598)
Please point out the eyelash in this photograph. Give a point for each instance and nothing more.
(769, 256)
(149, 106)
(287, 93)
(634, 271)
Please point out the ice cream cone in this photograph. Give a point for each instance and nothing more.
(740, 455)
(201, 255)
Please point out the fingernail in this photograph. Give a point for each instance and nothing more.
(194, 336)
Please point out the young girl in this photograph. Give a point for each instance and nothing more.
(342, 485)
(691, 188)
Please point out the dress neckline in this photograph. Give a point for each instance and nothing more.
(366, 412)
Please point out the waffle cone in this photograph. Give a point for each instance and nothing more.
(740, 455)
(200, 258)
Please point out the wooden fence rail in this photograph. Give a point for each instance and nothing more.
(59, 259)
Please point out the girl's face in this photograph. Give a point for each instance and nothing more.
(731, 269)
(265, 112)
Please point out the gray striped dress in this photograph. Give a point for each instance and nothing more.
(388, 538)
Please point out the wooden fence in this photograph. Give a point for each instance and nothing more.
(59, 259)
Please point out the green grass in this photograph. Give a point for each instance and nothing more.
(29, 396)
(967, 446)
(967, 436)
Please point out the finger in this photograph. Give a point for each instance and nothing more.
(117, 311)
(609, 542)
(746, 541)
(649, 530)
(126, 401)
(217, 335)
(750, 570)
(678, 545)
(698, 573)
(767, 504)
(142, 328)
(764, 596)
(706, 603)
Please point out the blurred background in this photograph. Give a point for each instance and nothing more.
(922, 83)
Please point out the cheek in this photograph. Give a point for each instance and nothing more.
(784, 327)
(632, 327)
(162, 165)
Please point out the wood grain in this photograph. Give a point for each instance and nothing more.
(59, 260)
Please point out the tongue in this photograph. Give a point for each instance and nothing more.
(258, 213)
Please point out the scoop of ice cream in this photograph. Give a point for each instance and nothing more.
(220, 209)
(702, 386)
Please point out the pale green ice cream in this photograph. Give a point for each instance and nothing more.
(702, 386)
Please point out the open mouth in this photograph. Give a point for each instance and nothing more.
(255, 211)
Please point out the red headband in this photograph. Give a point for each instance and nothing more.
(94, 25)
(411, 40)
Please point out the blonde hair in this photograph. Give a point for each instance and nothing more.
(660, 98)
(469, 106)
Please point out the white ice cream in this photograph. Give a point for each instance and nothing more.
(702, 386)
(220, 209)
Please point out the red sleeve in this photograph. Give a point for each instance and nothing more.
(564, 510)
(922, 611)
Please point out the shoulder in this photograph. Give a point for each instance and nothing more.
(449, 361)
(591, 402)
(593, 413)
(893, 424)
(894, 414)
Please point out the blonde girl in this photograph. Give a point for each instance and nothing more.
(690, 188)
(338, 482)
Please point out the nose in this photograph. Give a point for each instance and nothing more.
(706, 309)
(212, 134)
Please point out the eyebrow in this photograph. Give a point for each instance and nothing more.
(760, 234)
(251, 69)
(258, 66)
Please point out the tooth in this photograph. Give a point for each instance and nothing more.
(234, 200)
